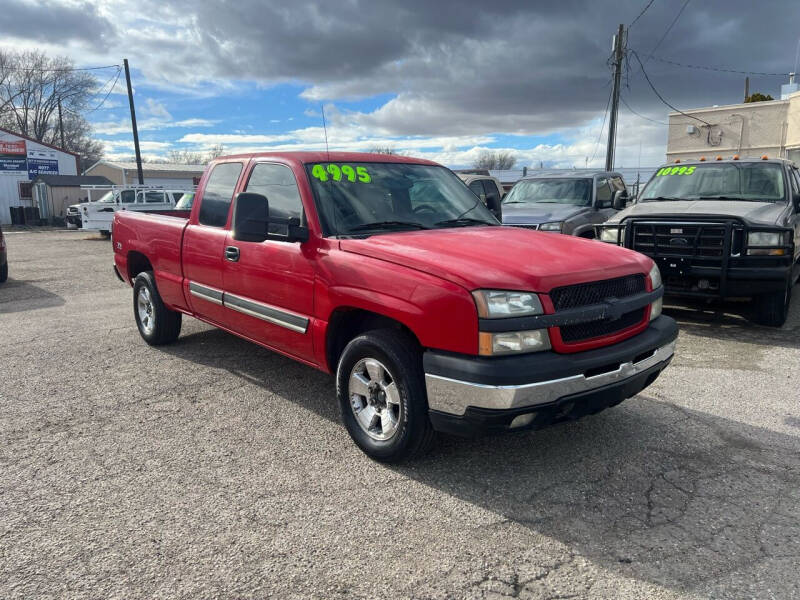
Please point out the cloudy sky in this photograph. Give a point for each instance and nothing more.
(434, 78)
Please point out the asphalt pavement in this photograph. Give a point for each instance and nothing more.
(212, 468)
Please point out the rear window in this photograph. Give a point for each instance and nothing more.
(218, 194)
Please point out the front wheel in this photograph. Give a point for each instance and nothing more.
(157, 324)
(773, 309)
(381, 393)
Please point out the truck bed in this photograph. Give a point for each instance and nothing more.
(159, 237)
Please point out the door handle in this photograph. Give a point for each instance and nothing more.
(232, 253)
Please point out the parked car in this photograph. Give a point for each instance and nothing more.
(97, 216)
(3, 258)
(565, 201)
(488, 189)
(720, 229)
(388, 273)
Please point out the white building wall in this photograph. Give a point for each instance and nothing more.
(9, 182)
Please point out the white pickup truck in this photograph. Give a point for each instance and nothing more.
(97, 216)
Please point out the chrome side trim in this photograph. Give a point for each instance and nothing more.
(206, 293)
(454, 396)
(266, 312)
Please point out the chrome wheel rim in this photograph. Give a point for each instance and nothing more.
(375, 399)
(144, 306)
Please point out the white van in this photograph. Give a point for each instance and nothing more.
(97, 216)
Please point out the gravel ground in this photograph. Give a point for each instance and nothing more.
(212, 468)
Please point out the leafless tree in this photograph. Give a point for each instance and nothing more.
(500, 160)
(384, 150)
(31, 86)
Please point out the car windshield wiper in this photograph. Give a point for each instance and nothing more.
(387, 225)
(462, 221)
(515, 202)
(724, 197)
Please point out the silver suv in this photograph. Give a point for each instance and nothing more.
(564, 201)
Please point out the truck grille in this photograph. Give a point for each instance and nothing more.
(596, 292)
(703, 243)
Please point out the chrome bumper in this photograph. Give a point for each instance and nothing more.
(453, 396)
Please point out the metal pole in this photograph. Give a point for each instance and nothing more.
(61, 125)
(133, 123)
(612, 124)
(746, 88)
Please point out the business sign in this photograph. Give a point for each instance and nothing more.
(13, 159)
(42, 162)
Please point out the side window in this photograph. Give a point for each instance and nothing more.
(795, 180)
(492, 193)
(477, 188)
(176, 196)
(603, 193)
(278, 184)
(154, 197)
(617, 184)
(128, 196)
(218, 194)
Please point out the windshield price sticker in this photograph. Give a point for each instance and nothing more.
(340, 173)
(675, 171)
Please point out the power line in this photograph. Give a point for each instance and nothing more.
(660, 97)
(644, 10)
(640, 115)
(61, 70)
(671, 25)
(720, 69)
(111, 89)
(605, 116)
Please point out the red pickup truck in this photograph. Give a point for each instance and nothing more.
(389, 273)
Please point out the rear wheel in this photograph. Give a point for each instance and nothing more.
(4, 272)
(773, 309)
(157, 324)
(381, 393)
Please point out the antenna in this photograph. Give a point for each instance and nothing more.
(325, 128)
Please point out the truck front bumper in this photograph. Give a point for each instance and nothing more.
(469, 395)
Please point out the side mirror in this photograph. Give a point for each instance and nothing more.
(620, 199)
(251, 221)
(796, 199)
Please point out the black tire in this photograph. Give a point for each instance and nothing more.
(402, 359)
(105, 234)
(165, 326)
(4, 272)
(772, 309)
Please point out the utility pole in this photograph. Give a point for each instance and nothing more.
(61, 124)
(612, 123)
(746, 88)
(133, 123)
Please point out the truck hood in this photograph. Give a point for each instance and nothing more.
(761, 213)
(509, 258)
(539, 212)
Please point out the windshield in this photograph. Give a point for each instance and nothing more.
(365, 198)
(577, 192)
(186, 201)
(108, 198)
(759, 182)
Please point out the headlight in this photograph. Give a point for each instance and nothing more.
(512, 342)
(612, 234)
(554, 226)
(655, 282)
(766, 238)
(655, 277)
(497, 304)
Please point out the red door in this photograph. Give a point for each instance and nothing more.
(269, 286)
(204, 244)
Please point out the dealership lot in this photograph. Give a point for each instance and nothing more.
(213, 468)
